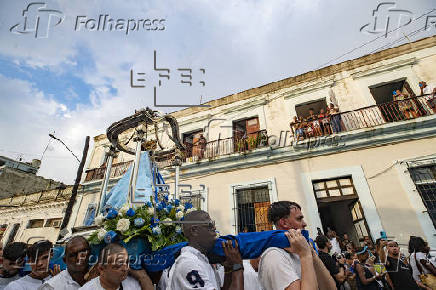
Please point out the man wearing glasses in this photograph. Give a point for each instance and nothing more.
(192, 269)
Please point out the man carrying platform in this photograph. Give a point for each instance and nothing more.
(192, 269)
(297, 267)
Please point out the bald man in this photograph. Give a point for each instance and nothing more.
(114, 269)
(192, 269)
(76, 257)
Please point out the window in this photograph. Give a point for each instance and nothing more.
(251, 208)
(334, 187)
(37, 223)
(191, 141)
(424, 178)
(303, 109)
(90, 214)
(53, 223)
(246, 128)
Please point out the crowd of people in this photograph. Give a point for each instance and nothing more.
(331, 262)
(329, 120)
(325, 122)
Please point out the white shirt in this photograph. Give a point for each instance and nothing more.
(428, 89)
(129, 283)
(5, 281)
(336, 248)
(415, 272)
(192, 270)
(278, 269)
(26, 283)
(164, 280)
(62, 281)
(251, 279)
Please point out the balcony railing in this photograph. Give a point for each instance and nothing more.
(227, 146)
(367, 117)
(194, 153)
(117, 169)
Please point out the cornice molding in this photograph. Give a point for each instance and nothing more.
(355, 140)
(382, 67)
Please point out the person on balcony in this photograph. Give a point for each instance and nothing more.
(430, 91)
(324, 122)
(404, 105)
(335, 118)
(201, 143)
(315, 123)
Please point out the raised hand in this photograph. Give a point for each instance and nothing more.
(233, 256)
(299, 244)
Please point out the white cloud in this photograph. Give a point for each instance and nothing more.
(242, 44)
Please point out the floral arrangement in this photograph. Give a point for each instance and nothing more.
(128, 223)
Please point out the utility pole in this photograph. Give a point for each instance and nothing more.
(63, 232)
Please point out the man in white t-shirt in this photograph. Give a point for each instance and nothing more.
(192, 269)
(114, 269)
(76, 257)
(251, 278)
(297, 267)
(336, 248)
(39, 255)
(13, 261)
(429, 100)
(426, 89)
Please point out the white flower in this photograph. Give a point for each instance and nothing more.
(190, 210)
(180, 207)
(157, 230)
(150, 210)
(123, 225)
(179, 215)
(178, 229)
(99, 220)
(124, 208)
(167, 220)
(100, 234)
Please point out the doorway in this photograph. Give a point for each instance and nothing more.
(339, 208)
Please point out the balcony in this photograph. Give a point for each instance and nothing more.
(196, 153)
(367, 117)
(227, 146)
(118, 169)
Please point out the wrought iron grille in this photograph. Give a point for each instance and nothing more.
(251, 208)
(424, 177)
(196, 198)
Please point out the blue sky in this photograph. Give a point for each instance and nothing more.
(76, 83)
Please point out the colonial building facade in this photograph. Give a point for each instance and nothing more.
(368, 167)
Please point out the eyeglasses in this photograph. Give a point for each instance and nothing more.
(210, 225)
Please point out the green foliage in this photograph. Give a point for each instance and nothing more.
(169, 233)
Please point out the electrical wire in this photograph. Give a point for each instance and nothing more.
(371, 41)
(52, 136)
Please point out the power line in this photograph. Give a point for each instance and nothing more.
(413, 33)
(371, 41)
(52, 136)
